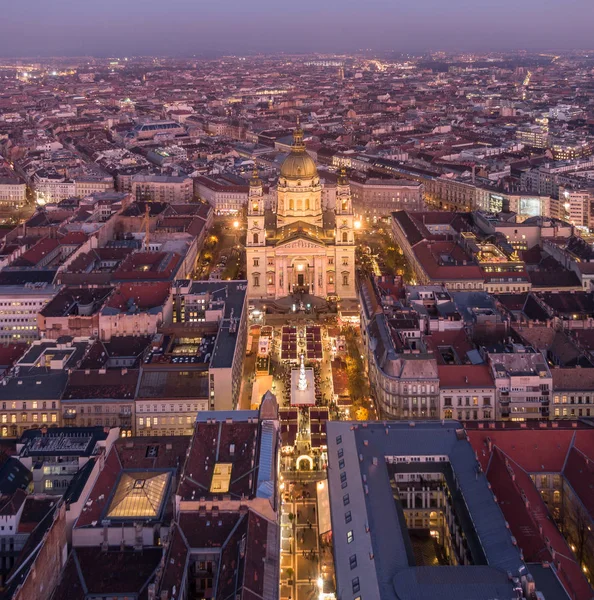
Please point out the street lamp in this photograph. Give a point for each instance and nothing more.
(236, 227)
(357, 224)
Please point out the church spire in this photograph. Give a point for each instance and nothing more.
(342, 177)
(298, 137)
(255, 180)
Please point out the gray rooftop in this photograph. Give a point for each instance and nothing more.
(233, 295)
(371, 503)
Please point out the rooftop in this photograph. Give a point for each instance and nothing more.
(367, 450)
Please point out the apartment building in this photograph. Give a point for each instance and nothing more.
(226, 193)
(375, 198)
(162, 188)
(523, 382)
(19, 307)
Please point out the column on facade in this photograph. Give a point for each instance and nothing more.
(289, 282)
(282, 290)
(320, 262)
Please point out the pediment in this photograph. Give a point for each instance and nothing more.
(302, 242)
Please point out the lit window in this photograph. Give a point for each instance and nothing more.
(350, 537)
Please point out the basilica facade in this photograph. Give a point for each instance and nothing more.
(301, 249)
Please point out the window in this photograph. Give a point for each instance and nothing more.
(340, 453)
(356, 585)
(256, 239)
(256, 281)
(346, 500)
(348, 517)
(350, 537)
(353, 562)
(345, 236)
(256, 262)
(345, 279)
(341, 463)
(345, 261)
(339, 439)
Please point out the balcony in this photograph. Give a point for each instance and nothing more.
(70, 414)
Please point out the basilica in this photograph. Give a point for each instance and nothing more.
(302, 249)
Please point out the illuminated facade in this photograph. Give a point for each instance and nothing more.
(308, 250)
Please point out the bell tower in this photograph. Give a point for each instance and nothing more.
(255, 213)
(344, 211)
(345, 238)
(255, 241)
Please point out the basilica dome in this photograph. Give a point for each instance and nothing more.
(299, 164)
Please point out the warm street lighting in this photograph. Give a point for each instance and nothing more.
(357, 224)
(236, 224)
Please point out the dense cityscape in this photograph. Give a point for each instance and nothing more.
(297, 327)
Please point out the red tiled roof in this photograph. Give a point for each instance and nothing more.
(527, 515)
(464, 376)
(111, 384)
(10, 353)
(426, 254)
(144, 295)
(162, 265)
(579, 472)
(35, 254)
(108, 573)
(175, 563)
(537, 451)
(97, 500)
(9, 505)
(207, 529)
(211, 444)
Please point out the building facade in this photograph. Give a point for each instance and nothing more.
(162, 188)
(376, 198)
(307, 250)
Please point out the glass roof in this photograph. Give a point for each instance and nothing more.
(138, 495)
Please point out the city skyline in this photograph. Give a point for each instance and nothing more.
(181, 28)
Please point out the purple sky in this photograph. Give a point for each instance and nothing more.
(185, 27)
